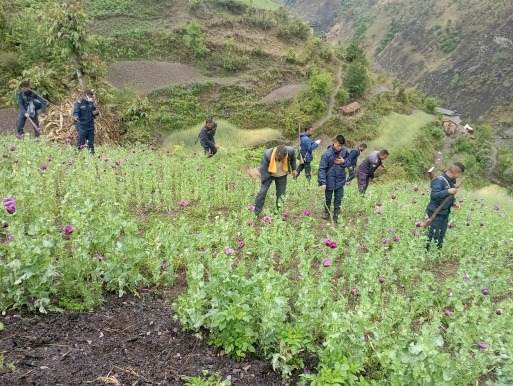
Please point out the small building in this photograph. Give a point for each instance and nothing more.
(451, 125)
(350, 109)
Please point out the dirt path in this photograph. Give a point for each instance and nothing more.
(492, 163)
(331, 103)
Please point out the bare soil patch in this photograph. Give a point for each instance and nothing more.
(283, 93)
(148, 76)
(128, 341)
(8, 121)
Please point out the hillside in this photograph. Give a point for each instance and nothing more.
(458, 51)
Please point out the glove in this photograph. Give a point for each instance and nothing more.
(318, 141)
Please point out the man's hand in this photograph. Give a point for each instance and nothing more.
(318, 141)
(294, 173)
(216, 146)
(27, 115)
(339, 160)
(253, 173)
(96, 113)
(457, 205)
(452, 191)
(323, 187)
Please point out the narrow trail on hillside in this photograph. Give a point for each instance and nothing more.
(331, 103)
(492, 163)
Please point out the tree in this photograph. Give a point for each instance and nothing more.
(65, 27)
(357, 79)
(195, 39)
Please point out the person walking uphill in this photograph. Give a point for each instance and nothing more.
(352, 160)
(368, 167)
(207, 139)
(276, 164)
(331, 176)
(30, 103)
(84, 114)
(306, 146)
(442, 187)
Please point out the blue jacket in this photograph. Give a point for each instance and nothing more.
(439, 191)
(83, 111)
(331, 174)
(207, 136)
(306, 146)
(266, 159)
(25, 97)
(352, 158)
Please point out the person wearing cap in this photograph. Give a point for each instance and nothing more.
(206, 136)
(30, 103)
(306, 146)
(84, 114)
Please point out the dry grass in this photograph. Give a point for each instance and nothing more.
(58, 127)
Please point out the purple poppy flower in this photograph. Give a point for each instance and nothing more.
(381, 280)
(416, 189)
(355, 291)
(413, 202)
(330, 243)
(393, 196)
(419, 224)
(384, 240)
(482, 345)
(251, 208)
(326, 263)
(497, 208)
(83, 146)
(242, 243)
(5, 155)
(43, 166)
(198, 168)
(307, 212)
(284, 215)
(396, 238)
(416, 233)
(267, 219)
(68, 140)
(164, 267)
(10, 205)
(12, 147)
(451, 225)
(249, 223)
(5, 224)
(228, 251)
(466, 277)
(378, 211)
(68, 229)
(306, 370)
(485, 291)
(448, 313)
(183, 203)
(10, 237)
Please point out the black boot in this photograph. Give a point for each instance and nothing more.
(336, 213)
(326, 215)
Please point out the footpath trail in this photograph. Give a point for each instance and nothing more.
(331, 103)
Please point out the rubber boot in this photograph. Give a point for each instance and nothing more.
(326, 215)
(336, 213)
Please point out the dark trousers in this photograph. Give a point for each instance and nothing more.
(22, 119)
(281, 187)
(307, 167)
(437, 229)
(363, 182)
(352, 175)
(209, 151)
(86, 134)
(336, 195)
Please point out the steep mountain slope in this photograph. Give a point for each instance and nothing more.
(459, 51)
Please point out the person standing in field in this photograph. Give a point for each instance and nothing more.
(352, 160)
(84, 114)
(30, 103)
(442, 187)
(368, 167)
(331, 176)
(276, 164)
(306, 146)
(207, 140)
